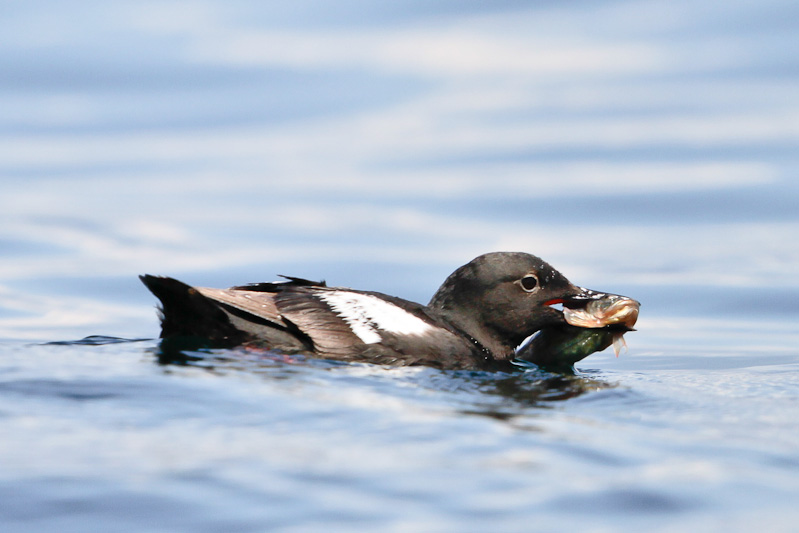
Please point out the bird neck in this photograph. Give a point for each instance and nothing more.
(486, 341)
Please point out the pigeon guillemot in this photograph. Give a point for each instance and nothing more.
(476, 319)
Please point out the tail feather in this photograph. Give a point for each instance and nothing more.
(187, 313)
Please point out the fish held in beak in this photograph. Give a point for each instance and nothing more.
(594, 321)
(558, 348)
(600, 310)
(605, 310)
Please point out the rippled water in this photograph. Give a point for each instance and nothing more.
(643, 148)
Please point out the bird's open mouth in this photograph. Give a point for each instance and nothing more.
(595, 310)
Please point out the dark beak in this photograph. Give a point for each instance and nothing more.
(583, 297)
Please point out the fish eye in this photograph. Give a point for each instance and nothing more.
(529, 282)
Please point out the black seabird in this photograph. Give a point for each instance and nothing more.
(476, 320)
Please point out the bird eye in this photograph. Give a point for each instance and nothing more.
(529, 282)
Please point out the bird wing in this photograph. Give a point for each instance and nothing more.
(329, 331)
(259, 304)
(292, 308)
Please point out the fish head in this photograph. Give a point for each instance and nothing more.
(593, 309)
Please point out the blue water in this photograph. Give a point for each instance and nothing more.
(643, 148)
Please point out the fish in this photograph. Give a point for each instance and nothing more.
(607, 310)
(592, 328)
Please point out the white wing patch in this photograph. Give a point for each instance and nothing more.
(365, 314)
